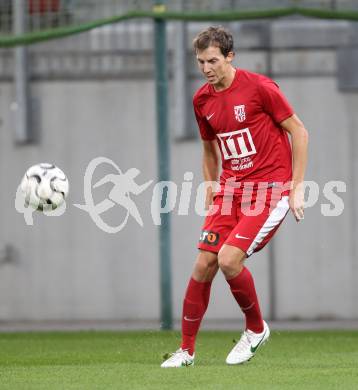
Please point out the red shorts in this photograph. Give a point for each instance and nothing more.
(247, 224)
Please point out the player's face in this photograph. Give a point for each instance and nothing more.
(215, 67)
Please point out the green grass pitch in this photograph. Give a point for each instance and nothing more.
(130, 360)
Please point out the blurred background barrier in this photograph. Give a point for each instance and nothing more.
(46, 21)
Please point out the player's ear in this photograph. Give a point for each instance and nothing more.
(230, 56)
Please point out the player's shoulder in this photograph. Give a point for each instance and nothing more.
(201, 95)
(255, 78)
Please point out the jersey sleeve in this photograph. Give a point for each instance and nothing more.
(206, 132)
(274, 102)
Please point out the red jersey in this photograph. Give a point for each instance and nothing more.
(245, 120)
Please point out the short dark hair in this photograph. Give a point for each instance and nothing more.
(214, 36)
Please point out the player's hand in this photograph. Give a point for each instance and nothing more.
(296, 201)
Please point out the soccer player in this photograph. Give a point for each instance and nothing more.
(246, 117)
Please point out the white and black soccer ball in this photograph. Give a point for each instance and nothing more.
(44, 187)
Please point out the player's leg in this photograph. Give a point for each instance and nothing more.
(231, 262)
(196, 298)
(251, 234)
(215, 230)
(242, 286)
(195, 303)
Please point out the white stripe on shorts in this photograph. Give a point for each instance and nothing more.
(277, 215)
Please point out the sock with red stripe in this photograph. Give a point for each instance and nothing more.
(243, 289)
(196, 301)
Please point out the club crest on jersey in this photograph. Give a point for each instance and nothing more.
(239, 111)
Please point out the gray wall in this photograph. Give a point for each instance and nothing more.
(66, 268)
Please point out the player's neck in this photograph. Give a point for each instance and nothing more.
(226, 81)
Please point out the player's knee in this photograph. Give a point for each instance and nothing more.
(206, 264)
(207, 260)
(225, 262)
(230, 260)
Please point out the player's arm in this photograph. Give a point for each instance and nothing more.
(299, 139)
(210, 168)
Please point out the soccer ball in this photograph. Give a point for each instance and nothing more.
(44, 187)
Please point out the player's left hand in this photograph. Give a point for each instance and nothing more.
(296, 202)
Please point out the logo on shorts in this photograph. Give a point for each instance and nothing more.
(242, 237)
(208, 237)
(240, 114)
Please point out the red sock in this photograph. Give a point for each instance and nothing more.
(194, 307)
(243, 289)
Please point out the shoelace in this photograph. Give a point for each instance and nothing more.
(178, 354)
(243, 344)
